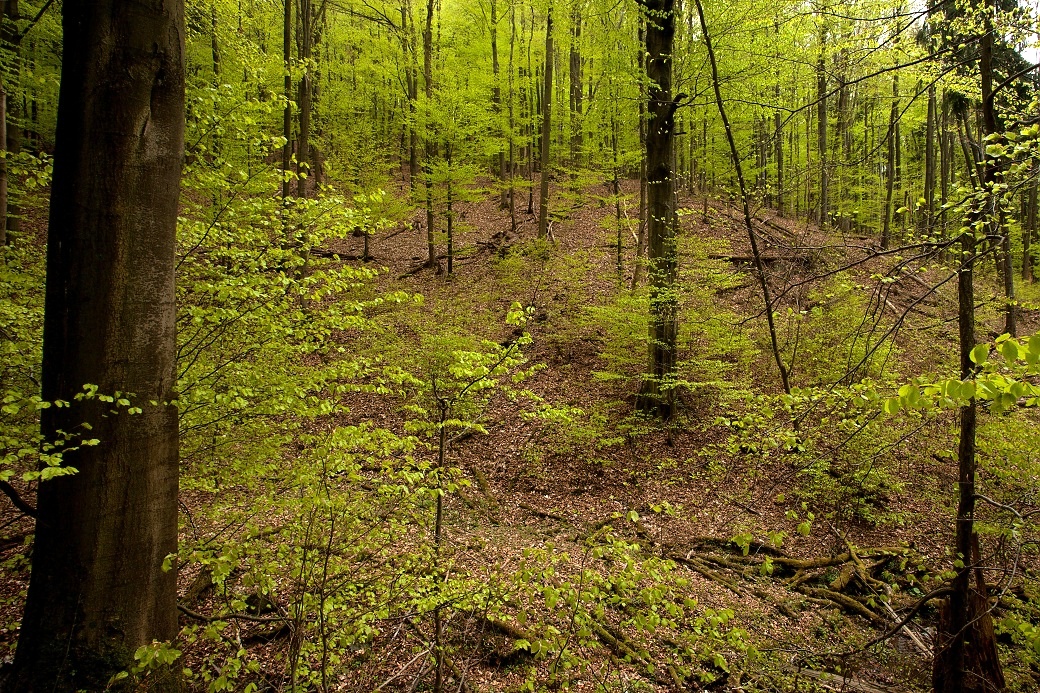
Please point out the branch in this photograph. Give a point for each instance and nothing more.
(19, 503)
(230, 617)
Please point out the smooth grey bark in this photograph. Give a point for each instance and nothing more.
(97, 590)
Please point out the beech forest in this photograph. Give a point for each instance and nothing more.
(519, 346)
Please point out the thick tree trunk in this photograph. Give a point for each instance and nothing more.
(98, 590)
(657, 394)
(543, 202)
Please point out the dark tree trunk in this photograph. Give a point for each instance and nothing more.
(821, 124)
(1028, 231)
(576, 93)
(543, 202)
(637, 266)
(431, 147)
(657, 394)
(496, 102)
(97, 590)
(287, 114)
(890, 165)
(3, 168)
(12, 40)
(303, 156)
(745, 203)
(966, 656)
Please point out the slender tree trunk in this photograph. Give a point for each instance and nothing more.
(745, 202)
(1028, 231)
(431, 147)
(543, 202)
(303, 155)
(511, 191)
(778, 135)
(966, 657)
(3, 168)
(890, 166)
(214, 45)
(13, 41)
(657, 394)
(821, 124)
(929, 162)
(576, 92)
(637, 265)
(98, 590)
(496, 102)
(287, 27)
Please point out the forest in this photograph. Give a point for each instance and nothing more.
(519, 345)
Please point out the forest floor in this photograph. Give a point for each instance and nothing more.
(799, 539)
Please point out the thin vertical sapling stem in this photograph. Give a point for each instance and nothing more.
(759, 266)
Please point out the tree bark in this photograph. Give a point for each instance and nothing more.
(657, 394)
(431, 147)
(966, 655)
(287, 114)
(543, 202)
(97, 590)
(11, 38)
(1028, 230)
(576, 92)
(637, 265)
(821, 124)
(890, 165)
(303, 156)
(745, 203)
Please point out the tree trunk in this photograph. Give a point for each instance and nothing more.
(496, 102)
(929, 163)
(966, 655)
(3, 168)
(890, 165)
(745, 203)
(13, 41)
(303, 155)
(657, 394)
(576, 93)
(543, 202)
(287, 114)
(511, 190)
(98, 590)
(637, 265)
(431, 147)
(778, 135)
(1028, 230)
(821, 124)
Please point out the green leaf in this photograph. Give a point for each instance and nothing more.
(980, 354)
